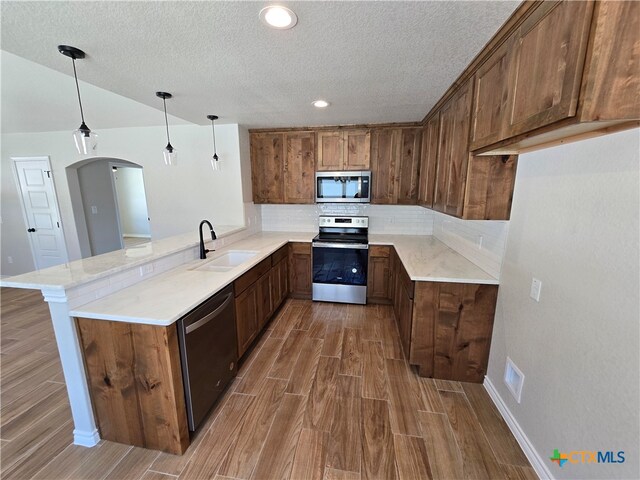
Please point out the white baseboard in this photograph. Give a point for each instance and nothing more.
(136, 235)
(537, 462)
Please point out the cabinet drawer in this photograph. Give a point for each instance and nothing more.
(279, 254)
(301, 248)
(379, 251)
(252, 276)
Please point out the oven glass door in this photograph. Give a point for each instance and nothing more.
(342, 265)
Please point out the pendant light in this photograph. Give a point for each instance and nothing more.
(169, 153)
(86, 140)
(215, 162)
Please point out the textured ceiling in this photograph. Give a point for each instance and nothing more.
(374, 61)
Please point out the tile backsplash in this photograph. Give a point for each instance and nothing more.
(383, 219)
(480, 241)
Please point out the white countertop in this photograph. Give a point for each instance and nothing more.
(428, 259)
(165, 298)
(82, 271)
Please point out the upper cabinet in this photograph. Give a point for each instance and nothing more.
(267, 167)
(283, 167)
(611, 81)
(344, 149)
(395, 156)
(546, 66)
(299, 167)
(428, 161)
(453, 152)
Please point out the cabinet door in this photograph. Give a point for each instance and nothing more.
(279, 280)
(330, 150)
(405, 307)
(267, 164)
(407, 167)
(611, 81)
(453, 155)
(247, 315)
(357, 146)
(299, 167)
(385, 151)
(428, 161)
(300, 269)
(379, 274)
(491, 95)
(548, 56)
(265, 301)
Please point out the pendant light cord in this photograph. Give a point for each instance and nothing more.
(166, 121)
(75, 75)
(213, 129)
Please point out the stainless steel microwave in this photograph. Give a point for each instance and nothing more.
(343, 187)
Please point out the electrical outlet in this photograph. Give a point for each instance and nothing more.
(513, 379)
(10, 259)
(536, 286)
(94, 209)
(146, 269)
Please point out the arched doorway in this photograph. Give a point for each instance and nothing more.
(109, 204)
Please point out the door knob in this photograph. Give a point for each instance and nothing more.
(31, 230)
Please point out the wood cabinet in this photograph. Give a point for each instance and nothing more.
(451, 330)
(300, 270)
(611, 80)
(403, 294)
(283, 166)
(135, 381)
(490, 106)
(428, 161)
(546, 68)
(265, 300)
(247, 317)
(279, 276)
(379, 275)
(453, 152)
(344, 149)
(395, 157)
(299, 167)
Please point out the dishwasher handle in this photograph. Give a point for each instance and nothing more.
(209, 317)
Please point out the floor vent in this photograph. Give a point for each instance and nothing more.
(514, 379)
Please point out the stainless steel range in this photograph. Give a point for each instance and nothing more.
(340, 260)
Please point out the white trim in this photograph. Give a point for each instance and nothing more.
(136, 235)
(537, 462)
(86, 439)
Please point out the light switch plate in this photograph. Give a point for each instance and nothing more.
(536, 286)
(94, 209)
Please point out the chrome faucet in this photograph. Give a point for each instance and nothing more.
(203, 251)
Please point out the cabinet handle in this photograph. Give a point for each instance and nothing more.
(31, 230)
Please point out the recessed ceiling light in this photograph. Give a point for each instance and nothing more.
(320, 104)
(278, 17)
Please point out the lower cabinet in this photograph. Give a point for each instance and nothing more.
(445, 328)
(259, 292)
(451, 330)
(300, 270)
(379, 275)
(135, 381)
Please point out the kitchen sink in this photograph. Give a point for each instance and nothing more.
(227, 260)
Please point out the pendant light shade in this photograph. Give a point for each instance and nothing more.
(169, 153)
(215, 161)
(86, 141)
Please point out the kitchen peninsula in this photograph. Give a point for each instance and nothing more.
(163, 284)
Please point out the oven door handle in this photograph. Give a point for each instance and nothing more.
(356, 246)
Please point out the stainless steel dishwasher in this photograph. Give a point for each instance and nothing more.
(209, 353)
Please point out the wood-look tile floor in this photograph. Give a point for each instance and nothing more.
(325, 394)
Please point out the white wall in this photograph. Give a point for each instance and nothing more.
(132, 203)
(575, 226)
(178, 198)
(99, 206)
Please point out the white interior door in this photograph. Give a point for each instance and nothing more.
(40, 208)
